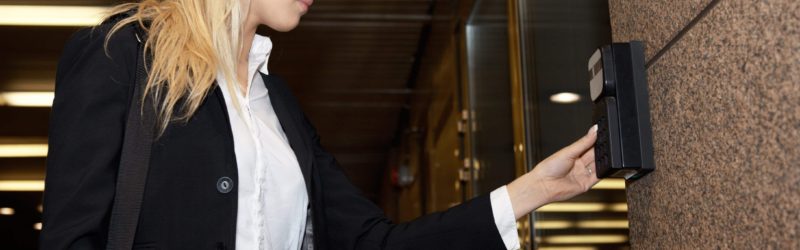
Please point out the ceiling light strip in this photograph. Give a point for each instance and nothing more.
(567, 248)
(610, 184)
(27, 99)
(582, 224)
(23, 150)
(594, 224)
(41, 15)
(584, 207)
(586, 239)
(21, 185)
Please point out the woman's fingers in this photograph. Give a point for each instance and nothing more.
(588, 156)
(580, 147)
(586, 166)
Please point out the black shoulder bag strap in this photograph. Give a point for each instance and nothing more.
(134, 161)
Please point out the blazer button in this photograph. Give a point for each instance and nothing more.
(224, 185)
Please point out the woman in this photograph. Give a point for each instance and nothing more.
(235, 164)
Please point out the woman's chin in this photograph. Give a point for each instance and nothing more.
(286, 26)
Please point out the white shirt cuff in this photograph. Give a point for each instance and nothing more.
(504, 217)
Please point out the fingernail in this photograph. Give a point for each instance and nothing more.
(593, 129)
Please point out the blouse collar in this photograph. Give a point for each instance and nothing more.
(259, 53)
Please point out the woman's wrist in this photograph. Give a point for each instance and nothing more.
(527, 193)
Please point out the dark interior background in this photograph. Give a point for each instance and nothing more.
(411, 96)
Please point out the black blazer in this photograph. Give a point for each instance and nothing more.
(182, 206)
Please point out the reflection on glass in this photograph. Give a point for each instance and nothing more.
(557, 38)
(489, 90)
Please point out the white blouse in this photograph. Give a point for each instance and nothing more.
(272, 193)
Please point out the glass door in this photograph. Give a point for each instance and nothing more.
(555, 39)
(488, 89)
(525, 97)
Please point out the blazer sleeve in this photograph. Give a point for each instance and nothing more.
(354, 222)
(93, 86)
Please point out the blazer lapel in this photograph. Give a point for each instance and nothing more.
(291, 126)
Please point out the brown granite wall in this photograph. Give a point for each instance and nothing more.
(725, 103)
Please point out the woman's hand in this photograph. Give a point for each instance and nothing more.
(563, 175)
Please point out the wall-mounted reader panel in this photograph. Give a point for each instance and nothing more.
(618, 88)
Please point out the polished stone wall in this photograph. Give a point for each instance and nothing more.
(725, 103)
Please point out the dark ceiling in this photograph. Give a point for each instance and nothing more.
(350, 63)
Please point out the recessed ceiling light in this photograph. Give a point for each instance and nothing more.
(6, 211)
(27, 99)
(36, 15)
(37, 226)
(565, 98)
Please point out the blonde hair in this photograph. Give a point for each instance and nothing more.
(191, 42)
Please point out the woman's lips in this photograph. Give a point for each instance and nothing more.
(307, 3)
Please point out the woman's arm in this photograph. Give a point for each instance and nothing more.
(353, 222)
(563, 175)
(85, 137)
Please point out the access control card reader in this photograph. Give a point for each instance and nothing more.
(618, 88)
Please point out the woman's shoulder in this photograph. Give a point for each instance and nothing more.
(97, 37)
(92, 49)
